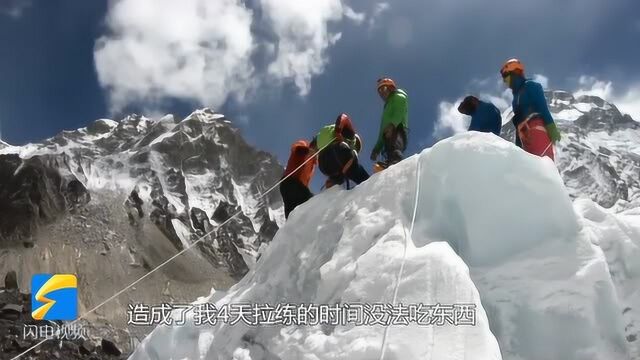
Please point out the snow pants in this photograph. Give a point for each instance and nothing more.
(294, 193)
(395, 143)
(534, 137)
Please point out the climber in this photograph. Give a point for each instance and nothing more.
(536, 132)
(295, 188)
(394, 125)
(485, 117)
(339, 147)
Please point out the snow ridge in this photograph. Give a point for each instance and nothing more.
(541, 270)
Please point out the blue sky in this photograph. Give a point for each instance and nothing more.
(281, 69)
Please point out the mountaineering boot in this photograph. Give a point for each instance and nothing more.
(379, 166)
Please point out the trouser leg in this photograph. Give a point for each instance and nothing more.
(535, 139)
(395, 144)
(294, 193)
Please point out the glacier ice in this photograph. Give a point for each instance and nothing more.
(495, 227)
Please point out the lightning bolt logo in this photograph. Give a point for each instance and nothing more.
(54, 297)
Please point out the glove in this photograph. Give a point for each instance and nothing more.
(374, 155)
(552, 131)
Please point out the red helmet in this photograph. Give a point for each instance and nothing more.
(386, 82)
(512, 65)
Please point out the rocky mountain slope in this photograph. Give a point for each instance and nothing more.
(112, 201)
(182, 176)
(599, 155)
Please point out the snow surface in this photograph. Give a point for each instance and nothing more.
(494, 227)
(568, 115)
(565, 107)
(620, 140)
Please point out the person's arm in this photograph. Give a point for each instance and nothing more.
(472, 123)
(380, 141)
(536, 94)
(541, 107)
(498, 120)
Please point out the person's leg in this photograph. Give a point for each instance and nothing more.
(357, 173)
(351, 167)
(536, 139)
(287, 197)
(294, 193)
(395, 144)
(330, 165)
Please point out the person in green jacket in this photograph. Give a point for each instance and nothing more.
(392, 137)
(339, 146)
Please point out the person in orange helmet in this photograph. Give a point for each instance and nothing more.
(536, 132)
(394, 124)
(298, 173)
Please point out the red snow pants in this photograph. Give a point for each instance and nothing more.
(534, 137)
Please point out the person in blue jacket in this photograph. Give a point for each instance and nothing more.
(536, 132)
(485, 117)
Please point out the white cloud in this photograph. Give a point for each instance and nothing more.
(501, 100)
(378, 10)
(192, 49)
(201, 50)
(303, 37)
(589, 85)
(349, 13)
(14, 8)
(627, 101)
(543, 80)
(450, 121)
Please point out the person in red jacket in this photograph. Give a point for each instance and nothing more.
(295, 188)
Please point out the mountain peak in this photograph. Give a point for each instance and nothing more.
(591, 111)
(596, 156)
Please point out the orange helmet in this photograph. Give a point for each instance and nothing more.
(512, 65)
(386, 82)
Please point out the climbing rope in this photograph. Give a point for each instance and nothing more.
(404, 256)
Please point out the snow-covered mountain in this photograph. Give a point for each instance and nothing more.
(599, 154)
(183, 176)
(548, 278)
(116, 199)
